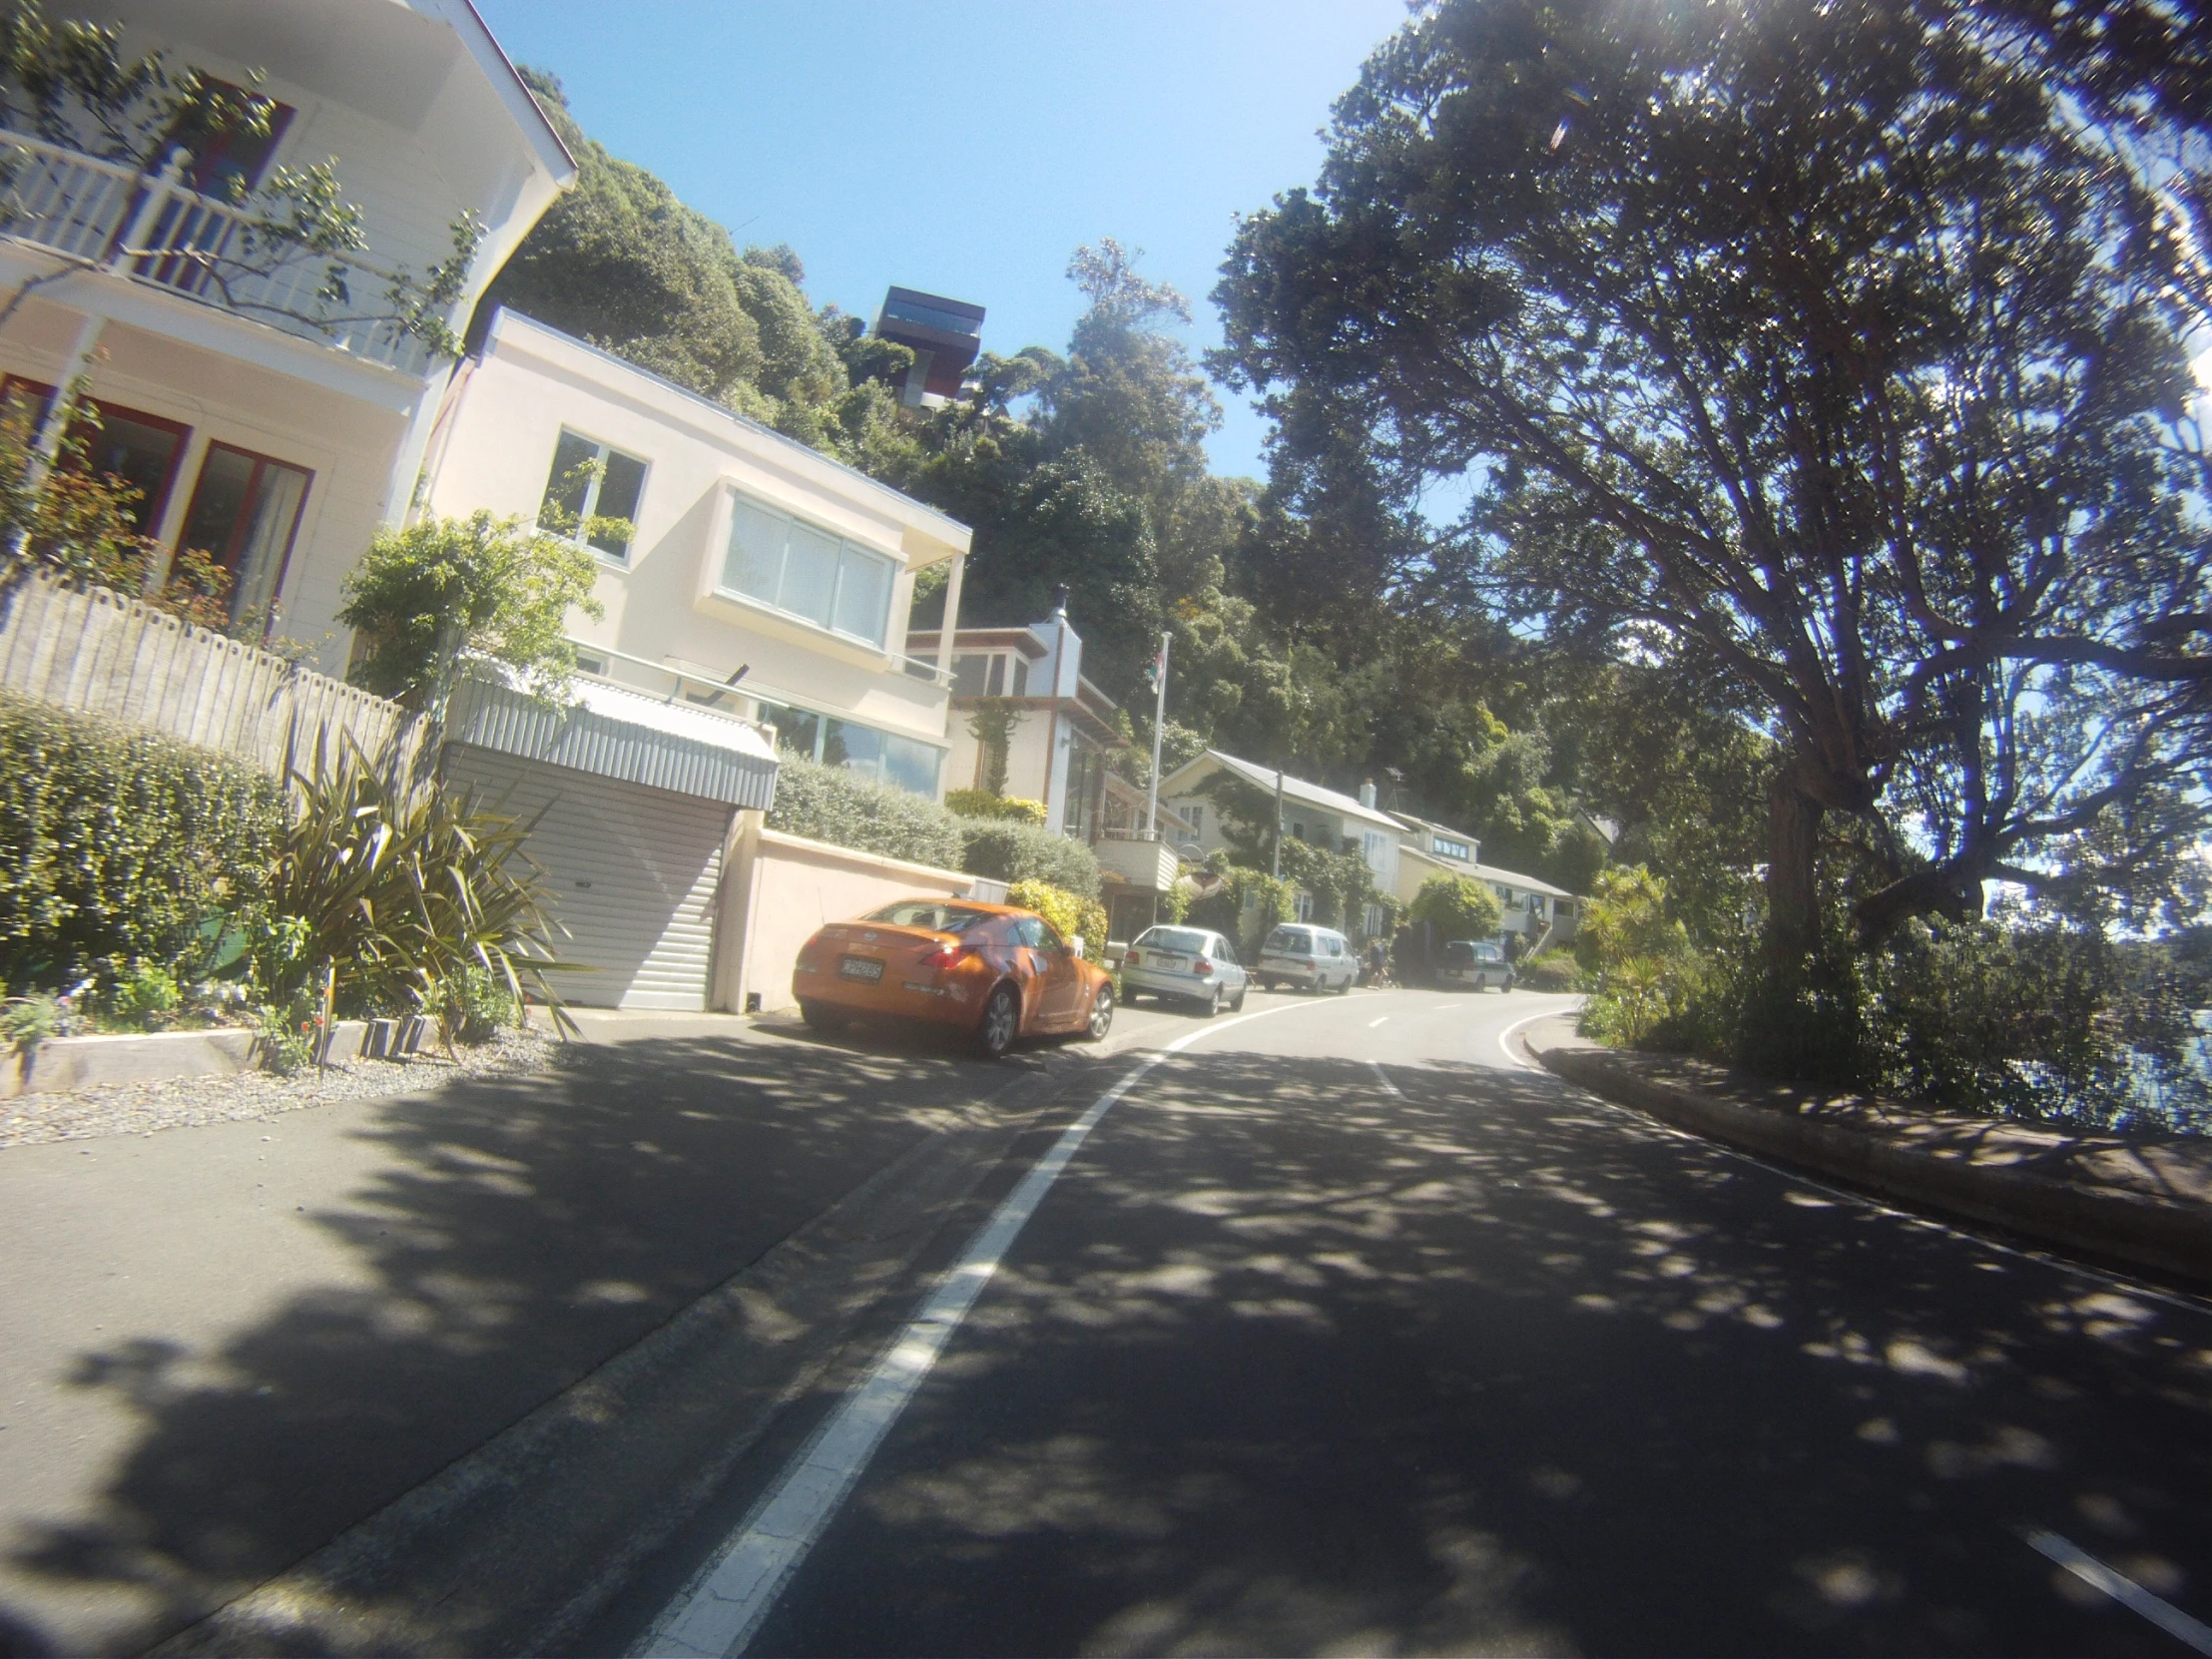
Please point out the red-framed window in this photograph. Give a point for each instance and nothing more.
(143, 450)
(245, 514)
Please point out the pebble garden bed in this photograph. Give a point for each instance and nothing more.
(148, 1107)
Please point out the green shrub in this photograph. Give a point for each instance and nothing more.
(1222, 910)
(1458, 906)
(829, 804)
(1555, 970)
(1009, 851)
(406, 892)
(148, 993)
(27, 1021)
(1071, 914)
(482, 1004)
(983, 804)
(115, 843)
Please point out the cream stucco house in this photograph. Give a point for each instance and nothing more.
(761, 596)
(277, 446)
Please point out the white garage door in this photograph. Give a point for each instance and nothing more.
(634, 870)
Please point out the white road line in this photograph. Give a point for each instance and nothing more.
(1373, 1023)
(1504, 1036)
(2122, 1589)
(1383, 1078)
(726, 1602)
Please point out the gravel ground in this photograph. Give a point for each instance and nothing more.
(186, 1102)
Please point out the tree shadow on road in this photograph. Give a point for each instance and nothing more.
(1288, 1365)
(517, 1232)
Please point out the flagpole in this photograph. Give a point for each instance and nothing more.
(1159, 720)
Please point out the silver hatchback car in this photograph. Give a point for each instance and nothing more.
(1187, 964)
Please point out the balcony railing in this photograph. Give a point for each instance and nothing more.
(150, 228)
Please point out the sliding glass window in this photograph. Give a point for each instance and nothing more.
(806, 572)
(883, 756)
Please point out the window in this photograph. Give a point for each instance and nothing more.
(141, 449)
(245, 512)
(1304, 907)
(588, 482)
(1375, 921)
(808, 573)
(1445, 847)
(883, 756)
(990, 673)
(1373, 844)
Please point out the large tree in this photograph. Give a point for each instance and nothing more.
(1835, 346)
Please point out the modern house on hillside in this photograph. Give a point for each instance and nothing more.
(763, 585)
(275, 446)
(945, 335)
(1020, 701)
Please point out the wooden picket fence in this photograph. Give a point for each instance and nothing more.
(107, 654)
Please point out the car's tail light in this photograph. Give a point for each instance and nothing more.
(1132, 960)
(1201, 968)
(944, 955)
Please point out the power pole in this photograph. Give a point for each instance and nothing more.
(1278, 824)
(1159, 720)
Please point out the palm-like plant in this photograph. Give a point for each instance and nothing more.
(402, 889)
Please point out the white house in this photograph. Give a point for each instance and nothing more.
(1529, 906)
(1311, 812)
(762, 584)
(276, 446)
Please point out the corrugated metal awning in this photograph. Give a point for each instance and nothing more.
(618, 734)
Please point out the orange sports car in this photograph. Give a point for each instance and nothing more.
(992, 971)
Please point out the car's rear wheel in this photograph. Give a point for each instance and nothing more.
(1000, 1024)
(820, 1016)
(1102, 1013)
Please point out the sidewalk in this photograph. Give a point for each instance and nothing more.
(2141, 1200)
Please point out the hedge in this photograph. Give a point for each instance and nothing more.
(116, 843)
(1072, 914)
(1010, 852)
(829, 804)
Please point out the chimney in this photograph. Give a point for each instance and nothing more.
(1366, 795)
(1060, 603)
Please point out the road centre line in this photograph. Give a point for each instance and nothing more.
(2122, 1589)
(1383, 1078)
(728, 1600)
(1378, 1020)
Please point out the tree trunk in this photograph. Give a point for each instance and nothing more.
(1793, 878)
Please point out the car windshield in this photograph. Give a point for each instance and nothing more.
(1292, 939)
(1459, 951)
(1173, 938)
(1488, 953)
(939, 918)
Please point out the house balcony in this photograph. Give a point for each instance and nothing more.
(155, 233)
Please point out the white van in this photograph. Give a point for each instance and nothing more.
(1299, 953)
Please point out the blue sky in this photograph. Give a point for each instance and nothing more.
(968, 148)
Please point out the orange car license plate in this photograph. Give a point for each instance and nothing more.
(861, 967)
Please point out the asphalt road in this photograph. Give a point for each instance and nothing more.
(1343, 1334)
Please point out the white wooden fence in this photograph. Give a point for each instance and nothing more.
(103, 653)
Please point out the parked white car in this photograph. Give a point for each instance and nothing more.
(1475, 964)
(1187, 964)
(1316, 958)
